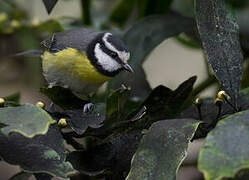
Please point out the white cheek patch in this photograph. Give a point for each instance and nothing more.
(123, 55)
(105, 61)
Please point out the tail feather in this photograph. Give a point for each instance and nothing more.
(29, 53)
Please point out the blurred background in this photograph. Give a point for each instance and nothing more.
(24, 23)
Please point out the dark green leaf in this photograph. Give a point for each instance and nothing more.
(27, 119)
(122, 11)
(239, 3)
(164, 103)
(226, 150)
(13, 98)
(80, 121)
(63, 97)
(43, 153)
(43, 176)
(137, 81)
(114, 156)
(150, 7)
(141, 39)
(185, 8)
(219, 34)
(49, 4)
(93, 161)
(115, 105)
(162, 150)
(21, 176)
(149, 32)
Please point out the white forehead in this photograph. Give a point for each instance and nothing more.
(105, 60)
(123, 55)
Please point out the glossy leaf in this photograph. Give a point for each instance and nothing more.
(141, 39)
(63, 97)
(164, 103)
(114, 155)
(162, 150)
(80, 121)
(219, 34)
(226, 150)
(43, 153)
(27, 119)
(49, 4)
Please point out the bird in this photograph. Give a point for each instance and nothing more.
(82, 60)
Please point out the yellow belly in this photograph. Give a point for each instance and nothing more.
(73, 64)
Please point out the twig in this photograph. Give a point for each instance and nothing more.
(85, 12)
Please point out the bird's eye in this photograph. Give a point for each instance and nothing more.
(114, 55)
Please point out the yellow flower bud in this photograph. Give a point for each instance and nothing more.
(40, 104)
(62, 122)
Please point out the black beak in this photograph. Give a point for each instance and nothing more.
(128, 68)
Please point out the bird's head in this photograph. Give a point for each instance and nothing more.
(109, 54)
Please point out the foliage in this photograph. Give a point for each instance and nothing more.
(134, 131)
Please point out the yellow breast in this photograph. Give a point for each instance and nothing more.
(74, 64)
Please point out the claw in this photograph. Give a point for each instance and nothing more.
(88, 107)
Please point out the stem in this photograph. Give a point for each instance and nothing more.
(85, 12)
(205, 84)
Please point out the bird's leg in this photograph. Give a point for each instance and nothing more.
(88, 107)
(51, 107)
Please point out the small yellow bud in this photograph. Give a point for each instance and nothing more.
(62, 122)
(2, 101)
(222, 95)
(218, 101)
(3, 17)
(35, 22)
(197, 101)
(40, 104)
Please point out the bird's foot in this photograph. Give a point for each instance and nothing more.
(51, 107)
(88, 107)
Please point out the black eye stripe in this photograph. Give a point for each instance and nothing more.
(91, 56)
(109, 52)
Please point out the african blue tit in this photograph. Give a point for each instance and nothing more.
(82, 60)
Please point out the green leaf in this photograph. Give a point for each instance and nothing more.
(219, 34)
(226, 150)
(141, 39)
(13, 98)
(27, 119)
(122, 11)
(49, 4)
(63, 97)
(162, 150)
(41, 154)
(51, 26)
(80, 121)
(21, 176)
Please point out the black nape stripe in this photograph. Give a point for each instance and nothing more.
(93, 59)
